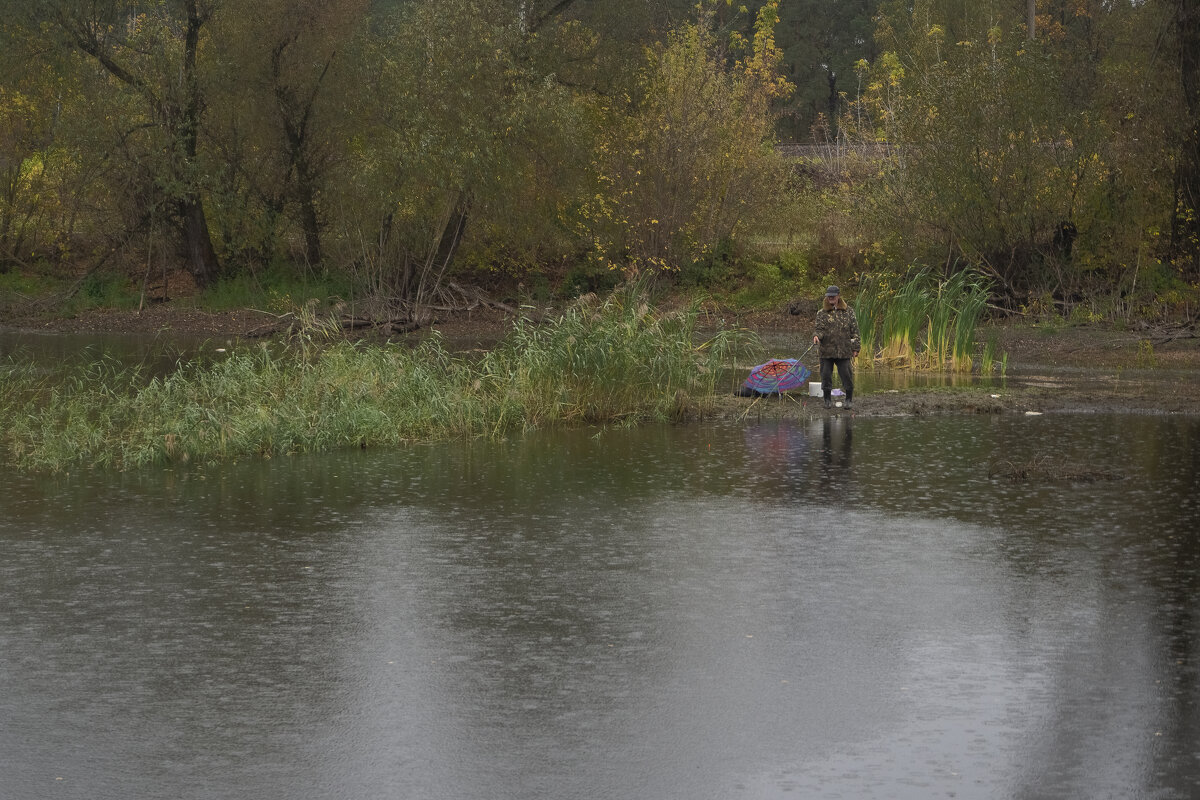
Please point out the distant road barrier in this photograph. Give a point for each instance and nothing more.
(835, 152)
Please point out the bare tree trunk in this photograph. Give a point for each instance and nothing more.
(1031, 19)
(201, 257)
(1185, 230)
(295, 115)
(309, 220)
(439, 258)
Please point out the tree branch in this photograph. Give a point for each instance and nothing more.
(557, 9)
(83, 36)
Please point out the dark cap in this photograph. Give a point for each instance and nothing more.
(832, 291)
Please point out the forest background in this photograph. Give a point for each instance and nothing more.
(402, 157)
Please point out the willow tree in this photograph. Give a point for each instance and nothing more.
(693, 159)
(152, 53)
(27, 110)
(277, 121)
(821, 42)
(1006, 149)
(462, 128)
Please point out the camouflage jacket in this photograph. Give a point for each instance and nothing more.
(837, 329)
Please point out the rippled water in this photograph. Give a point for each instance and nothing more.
(834, 608)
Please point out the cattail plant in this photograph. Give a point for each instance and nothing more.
(921, 321)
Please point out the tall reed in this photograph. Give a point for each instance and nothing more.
(903, 320)
(614, 361)
(920, 321)
(869, 309)
(969, 292)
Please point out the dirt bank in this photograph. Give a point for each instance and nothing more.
(1139, 369)
(1051, 368)
(1143, 393)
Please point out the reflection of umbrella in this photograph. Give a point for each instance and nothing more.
(777, 375)
(778, 444)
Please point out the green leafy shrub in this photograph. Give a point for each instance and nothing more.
(692, 159)
(278, 289)
(104, 290)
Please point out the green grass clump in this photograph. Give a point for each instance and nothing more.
(616, 361)
(280, 289)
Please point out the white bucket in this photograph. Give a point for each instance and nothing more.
(814, 388)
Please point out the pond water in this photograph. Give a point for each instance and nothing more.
(834, 608)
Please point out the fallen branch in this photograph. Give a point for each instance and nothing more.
(1004, 310)
(1174, 337)
(390, 325)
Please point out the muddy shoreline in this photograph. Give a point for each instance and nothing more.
(1050, 369)
(1051, 394)
(1053, 368)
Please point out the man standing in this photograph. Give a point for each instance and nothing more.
(839, 342)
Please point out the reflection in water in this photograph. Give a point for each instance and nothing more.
(837, 434)
(815, 609)
(154, 354)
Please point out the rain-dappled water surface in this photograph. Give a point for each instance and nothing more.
(827, 608)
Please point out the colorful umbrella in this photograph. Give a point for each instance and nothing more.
(776, 376)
